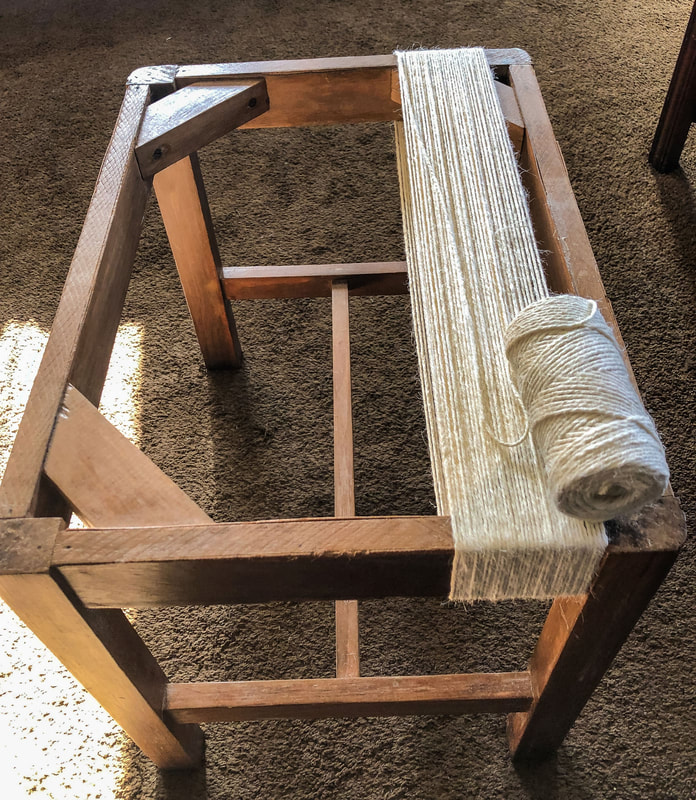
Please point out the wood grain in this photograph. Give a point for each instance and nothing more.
(578, 643)
(258, 561)
(79, 347)
(337, 91)
(188, 119)
(107, 480)
(569, 261)
(100, 648)
(313, 280)
(347, 624)
(349, 697)
(184, 206)
(581, 635)
(197, 72)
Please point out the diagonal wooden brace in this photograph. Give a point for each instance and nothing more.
(188, 119)
(106, 479)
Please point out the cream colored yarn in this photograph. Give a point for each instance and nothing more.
(473, 266)
(600, 447)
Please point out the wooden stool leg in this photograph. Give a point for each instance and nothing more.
(184, 206)
(679, 109)
(99, 647)
(580, 639)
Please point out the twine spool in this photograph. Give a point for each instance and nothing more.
(601, 450)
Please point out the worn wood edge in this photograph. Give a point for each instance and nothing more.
(321, 536)
(302, 561)
(660, 526)
(331, 271)
(27, 544)
(296, 538)
(191, 73)
(349, 697)
(162, 74)
(118, 200)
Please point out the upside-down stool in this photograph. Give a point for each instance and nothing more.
(149, 545)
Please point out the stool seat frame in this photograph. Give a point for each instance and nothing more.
(150, 545)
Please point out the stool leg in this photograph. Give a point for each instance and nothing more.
(184, 206)
(580, 639)
(99, 647)
(680, 106)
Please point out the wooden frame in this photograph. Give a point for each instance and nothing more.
(150, 545)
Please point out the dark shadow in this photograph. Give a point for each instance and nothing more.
(539, 778)
(678, 202)
(182, 784)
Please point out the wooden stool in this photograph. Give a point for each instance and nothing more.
(150, 545)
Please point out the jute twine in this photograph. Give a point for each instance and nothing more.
(473, 266)
(600, 447)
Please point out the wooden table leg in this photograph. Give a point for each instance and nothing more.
(582, 635)
(679, 110)
(100, 647)
(184, 206)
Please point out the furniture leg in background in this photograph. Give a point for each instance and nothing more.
(679, 110)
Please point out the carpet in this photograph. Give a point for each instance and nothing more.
(256, 443)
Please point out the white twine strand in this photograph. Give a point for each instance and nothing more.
(473, 266)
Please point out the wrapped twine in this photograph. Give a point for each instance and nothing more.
(599, 445)
(525, 510)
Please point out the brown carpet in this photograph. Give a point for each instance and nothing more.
(257, 443)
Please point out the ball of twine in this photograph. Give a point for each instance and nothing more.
(601, 450)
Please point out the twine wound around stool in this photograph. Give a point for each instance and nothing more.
(601, 450)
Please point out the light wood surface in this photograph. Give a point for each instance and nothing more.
(347, 624)
(188, 119)
(184, 206)
(349, 697)
(79, 347)
(107, 480)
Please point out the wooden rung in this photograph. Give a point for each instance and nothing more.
(313, 280)
(256, 562)
(347, 627)
(350, 697)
